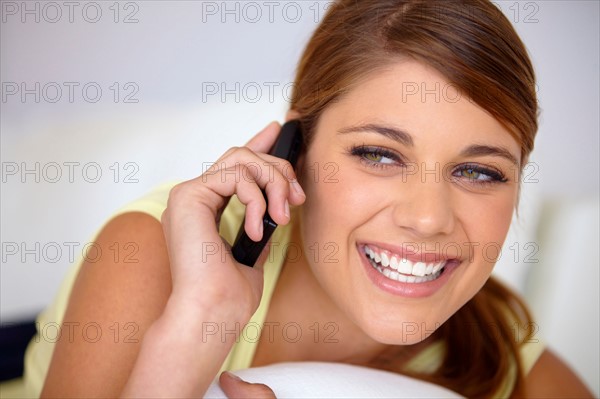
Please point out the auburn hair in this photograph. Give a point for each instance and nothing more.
(473, 45)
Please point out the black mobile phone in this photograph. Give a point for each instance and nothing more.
(287, 146)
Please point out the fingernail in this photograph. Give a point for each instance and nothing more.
(298, 188)
(286, 208)
(235, 377)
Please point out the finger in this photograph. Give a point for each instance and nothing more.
(249, 194)
(297, 195)
(235, 387)
(244, 172)
(268, 165)
(265, 165)
(244, 166)
(247, 185)
(264, 140)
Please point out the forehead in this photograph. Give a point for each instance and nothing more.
(418, 99)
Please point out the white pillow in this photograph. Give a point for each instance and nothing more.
(334, 380)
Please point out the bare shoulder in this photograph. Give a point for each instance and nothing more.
(120, 290)
(550, 377)
(133, 265)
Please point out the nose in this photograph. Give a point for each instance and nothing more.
(424, 207)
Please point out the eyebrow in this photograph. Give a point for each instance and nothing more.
(389, 132)
(480, 150)
(405, 138)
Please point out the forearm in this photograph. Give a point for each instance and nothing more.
(181, 354)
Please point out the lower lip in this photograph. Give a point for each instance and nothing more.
(411, 290)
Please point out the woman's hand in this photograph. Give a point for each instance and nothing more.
(212, 294)
(234, 387)
(205, 275)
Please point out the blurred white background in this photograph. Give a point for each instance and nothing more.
(101, 101)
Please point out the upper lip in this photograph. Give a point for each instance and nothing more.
(408, 252)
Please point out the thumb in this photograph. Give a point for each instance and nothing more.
(235, 387)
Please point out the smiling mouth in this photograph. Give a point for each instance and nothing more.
(403, 270)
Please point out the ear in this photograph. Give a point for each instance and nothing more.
(292, 114)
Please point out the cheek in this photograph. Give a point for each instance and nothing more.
(337, 202)
(488, 224)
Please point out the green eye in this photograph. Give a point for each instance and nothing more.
(376, 157)
(479, 175)
(470, 173)
(371, 156)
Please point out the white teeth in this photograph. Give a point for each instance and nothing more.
(394, 263)
(407, 271)
(385, 261)
(419, 269)
(429, 269)
(401, 277)
(404, 266)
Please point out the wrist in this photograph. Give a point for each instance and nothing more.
(181, 312)
(193, 342)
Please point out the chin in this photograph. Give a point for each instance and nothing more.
(406, 329)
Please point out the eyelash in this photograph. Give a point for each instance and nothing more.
(360, 152)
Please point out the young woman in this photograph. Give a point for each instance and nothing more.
(417, 119)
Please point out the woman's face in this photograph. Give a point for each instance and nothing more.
(425, 179)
